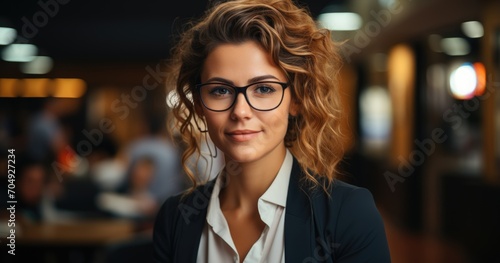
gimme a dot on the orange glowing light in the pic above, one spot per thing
(481, 78)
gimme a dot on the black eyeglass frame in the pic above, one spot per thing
(243, 90)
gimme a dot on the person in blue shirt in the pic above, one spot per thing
(260, 79)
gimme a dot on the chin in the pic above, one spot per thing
(242, 156)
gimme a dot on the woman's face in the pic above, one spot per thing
(241, 132)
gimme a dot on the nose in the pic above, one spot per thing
(241, 109)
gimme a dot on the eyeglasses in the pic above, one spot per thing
(261, 96)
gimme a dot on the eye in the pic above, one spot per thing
(220, 90)
(264, 88)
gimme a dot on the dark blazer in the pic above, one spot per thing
(345, 227)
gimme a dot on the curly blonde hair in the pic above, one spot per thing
(306, 54)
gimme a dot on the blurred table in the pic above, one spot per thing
(80, 232)
(83, 240)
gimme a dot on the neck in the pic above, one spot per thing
(245, 183)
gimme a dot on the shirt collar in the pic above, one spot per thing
(278, 190)
(215, 218)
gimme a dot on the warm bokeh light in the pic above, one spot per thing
(481, 78)
(35, 87)
(69, 88)
(401, 76)
(43, 87)
(8, 87)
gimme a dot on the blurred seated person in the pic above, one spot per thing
(107, 166)
(45, 134)
(167, 177)
(134, 198)
(31, 182)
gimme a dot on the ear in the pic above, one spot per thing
(294, 108)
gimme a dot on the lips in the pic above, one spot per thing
(242, 135)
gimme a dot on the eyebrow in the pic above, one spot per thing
(252, 80)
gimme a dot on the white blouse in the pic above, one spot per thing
(216, 244)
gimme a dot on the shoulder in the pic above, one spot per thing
(353, 204)
(351, 219)
(351, 196)
(345, 201)
(180, 215)
(187, 204)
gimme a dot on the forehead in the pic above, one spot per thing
(239, 62)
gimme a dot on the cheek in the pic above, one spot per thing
(212, 122)
(284, 115)
(279, 123)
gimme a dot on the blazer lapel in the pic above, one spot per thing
(299, 228)
(191, 228)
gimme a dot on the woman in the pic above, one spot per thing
(259, 78)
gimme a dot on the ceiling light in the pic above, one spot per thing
(19, 52)
(473, 29)
(455, 46)
(39, 65)
(340, 21)
(7, 35)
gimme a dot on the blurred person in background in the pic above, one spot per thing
(133, 198)
(107, 165)
(31, 184)
(167, 178)
(152, 173)
(141, 177)
(45, 135)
